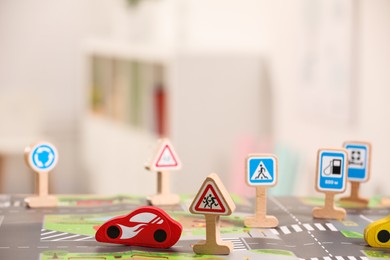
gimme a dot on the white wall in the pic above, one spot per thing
(373, 79)
(40, 55)
(40, 61)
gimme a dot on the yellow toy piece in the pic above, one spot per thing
(377, 234)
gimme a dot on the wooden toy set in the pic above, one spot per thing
(151, 226)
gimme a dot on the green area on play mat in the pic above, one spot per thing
(49, 255)
(351, 234)
(377, 254)
(87, 224)
(273, 252)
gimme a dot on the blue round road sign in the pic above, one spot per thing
(43, 157)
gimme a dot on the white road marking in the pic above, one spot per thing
(346, 243)
(290, 246)
(43, 238)
(296, 228)
(366, 219)
(48, 233)
(364, 257)
(319, 226)
(308, 227)
(331, 226)
(339, 258)
(352, 258)
(4, 247)
(285, 230)
(62, 238)
(23, 247)
(308, 244)
(42, 247)
(327, 258)
(274, 231)
(84, 238)
(314, 258)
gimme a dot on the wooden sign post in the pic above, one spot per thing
(261, 172)
(359, 169)
(213, 201)
(330, 179)
(164, 159)
(41, 158)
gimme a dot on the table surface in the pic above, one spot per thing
(67, 232)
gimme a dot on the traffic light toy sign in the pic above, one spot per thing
(359, 163)
(330, 179)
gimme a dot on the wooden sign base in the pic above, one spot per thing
(213, 245)
(41, 201)
(163, 199)
(329, 211)
(163, 196)
(354, 197)
(260, 219)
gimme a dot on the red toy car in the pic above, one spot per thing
(146, 226)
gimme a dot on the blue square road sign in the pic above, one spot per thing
(331, 170)
(261, 170)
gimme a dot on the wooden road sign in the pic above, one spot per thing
(163, 160)
(261, 172)
(331, 179)
(359, 169)
(213, 201)
(41, 158)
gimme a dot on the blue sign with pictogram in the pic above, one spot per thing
(43, 157)
(261, 170)
(358, 161)
(332, 168)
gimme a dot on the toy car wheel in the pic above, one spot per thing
(113, 232)
(383, 236)
(160, 235)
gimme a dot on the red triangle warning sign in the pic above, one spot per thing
(211, 201)
(212, 198)
(164, 158)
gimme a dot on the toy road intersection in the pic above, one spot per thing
(67, 232)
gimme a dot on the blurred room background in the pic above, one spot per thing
(103, 79)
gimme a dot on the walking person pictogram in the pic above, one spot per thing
(261, 174)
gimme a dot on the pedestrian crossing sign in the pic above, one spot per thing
(212, 198)
(261, 170)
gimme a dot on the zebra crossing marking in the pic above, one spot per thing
(308, 227)
(56, 235)
(53, 236)
(296, 228)
(331, 226)
(319, 226)
(63, 238)
(238, 244)
(285, 230)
